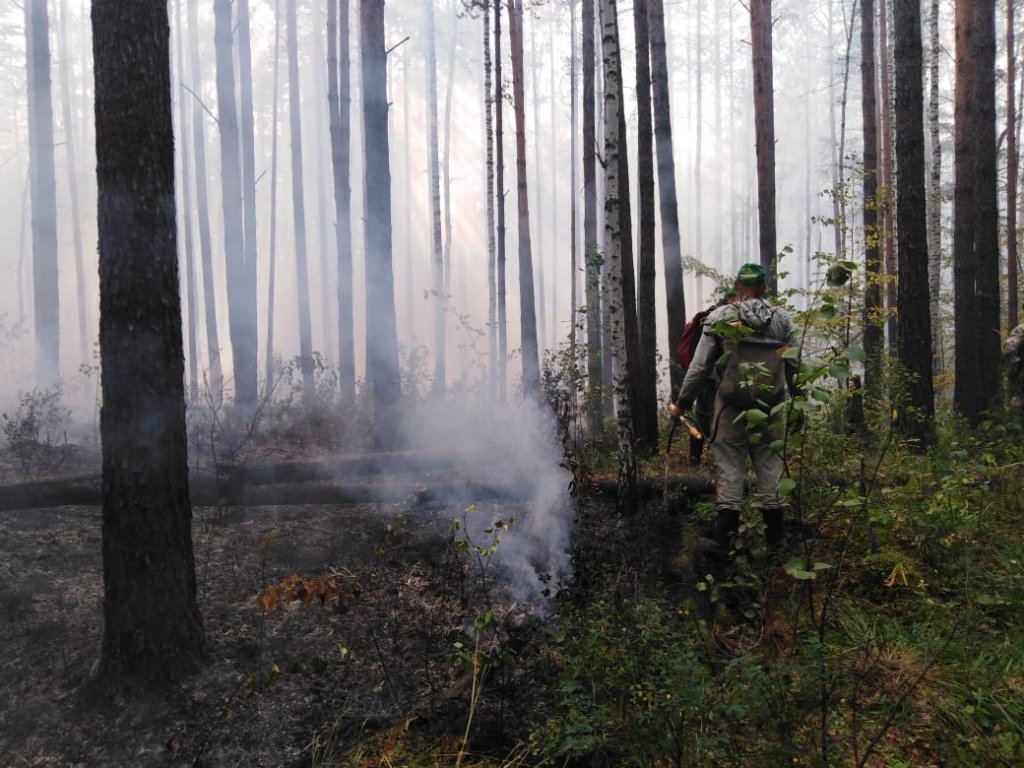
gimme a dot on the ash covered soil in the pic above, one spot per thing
(281, 688)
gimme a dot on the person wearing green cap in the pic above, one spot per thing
(747, 329)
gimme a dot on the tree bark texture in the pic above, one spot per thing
(492, 266)
(764, 128)
(43, 191)
(613, 251)
(914, 329)
(434, 186)
(340, 108)
(675, 300)
(591, 250)
(873, 312)
(647, 372)
(299, 203)
(272, 254)
(527, 306)
(975, 213)
(153, 633)
(240, 306)
(499, 144)
(886, 194)
(1012, 268)
(381, 333)
(216, 370)
(935, 193)
(246, 387)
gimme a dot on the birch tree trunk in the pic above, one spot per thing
(885, 196)
(1012, 301)
(592, 256)
(528, 316)
(434, 184)
(613, 245)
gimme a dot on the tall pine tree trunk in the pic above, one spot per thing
(43, 188)
(185, 158)
(499, 142)
(975, 212)
(246, 389)
(764, 124)
(915, 421)
(339, 105)
(672, 253)
(298, 204)
(872, 319)
(381, 333)
(492, 267)
(885, 197)
(72, 158)
(272, 255)
(935, 193)
(527, 310)
(153, 634)
(647, 371)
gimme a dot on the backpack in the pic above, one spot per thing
(689, 338)
(752, 372)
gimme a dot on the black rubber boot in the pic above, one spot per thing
(727, 522)
(774, 527)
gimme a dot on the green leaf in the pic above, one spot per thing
(855, 352)
(786, 485)
(795, 568)
(791, 353)
(826, 311)
(839, 371)
(755, 416)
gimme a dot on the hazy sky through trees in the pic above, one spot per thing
(728, 186)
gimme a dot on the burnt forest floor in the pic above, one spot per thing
(390, 651)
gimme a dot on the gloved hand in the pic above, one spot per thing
(676, 410)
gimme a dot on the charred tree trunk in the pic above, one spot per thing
(43, 188)
(873, 314)
(492, 266)
(975, 212)
(153, 634)
(339, 105)
(528, 315)
(915, 421)
(673, 261)
(764, 124)
(381, 333)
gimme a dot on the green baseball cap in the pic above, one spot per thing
(751, 274)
